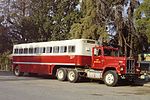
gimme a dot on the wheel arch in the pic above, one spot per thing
(14, 66)
(55, 67)
(109, 68)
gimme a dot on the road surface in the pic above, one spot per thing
(39, 88)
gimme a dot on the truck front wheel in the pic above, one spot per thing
(110, 78)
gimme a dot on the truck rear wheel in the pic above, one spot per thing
(110, 78)
(17, 71)
(73, 76)
(61, 74)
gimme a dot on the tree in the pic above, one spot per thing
(111, 12)
(15, 14)
(5, 42)
(53, 18)
(40, 20)
(65, 14)
(87, 26)
(37, 20)
(96, 15)
(142, 21)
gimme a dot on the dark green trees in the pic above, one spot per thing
(54, 18)
(88, 26)
(142, 19)
(44, 20)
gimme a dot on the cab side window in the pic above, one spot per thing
(97, 52)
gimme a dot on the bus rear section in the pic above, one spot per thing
(47, 57)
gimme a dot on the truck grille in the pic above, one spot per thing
(130, 66)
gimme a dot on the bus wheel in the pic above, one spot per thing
(17, 71)
(110, 78)
(73, 76)
(61, 74)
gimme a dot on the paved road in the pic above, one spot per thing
(38, 88)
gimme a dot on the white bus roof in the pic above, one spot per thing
(53, 43)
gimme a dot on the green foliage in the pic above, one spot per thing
(23, 21)
(5, 62)
(54, 18)
(40, 20)
(65, 14)
(142, 16)
(87, 27)
(44, 20)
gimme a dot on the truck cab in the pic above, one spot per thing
(104, 57)
(110, 66)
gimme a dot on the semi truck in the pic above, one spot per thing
(74, 59)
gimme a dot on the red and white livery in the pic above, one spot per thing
(72, 60)
(43, 56)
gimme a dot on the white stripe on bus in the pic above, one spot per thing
(38, 63)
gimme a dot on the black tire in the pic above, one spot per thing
(17, 71)
(61, 74)
(110, 78)
(73, 76)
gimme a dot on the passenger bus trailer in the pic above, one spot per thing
(73, 59)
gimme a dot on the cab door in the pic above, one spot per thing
(97, 58)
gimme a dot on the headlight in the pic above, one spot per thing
(121, 68)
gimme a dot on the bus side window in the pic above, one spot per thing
(16, 51)
(36, 50)
(25, 51)
(20, 51)
(30, 50)
(56, 49)
(63, 49)
(42, 49)
(49, 50)
(71, 49)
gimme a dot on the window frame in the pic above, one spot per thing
(25, 49)
(71, 49)
(36, 50)
(55, 49)
(49, 49)
(31, 49)
(20, 51)
(16, 51)
(63, 49)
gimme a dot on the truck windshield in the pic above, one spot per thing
(110, 52)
